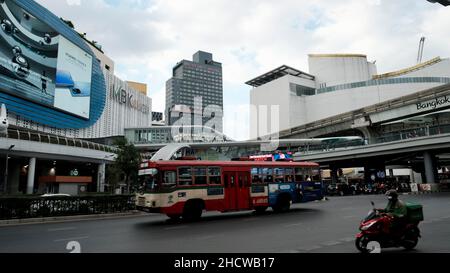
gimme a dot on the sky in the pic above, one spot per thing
(146, 38)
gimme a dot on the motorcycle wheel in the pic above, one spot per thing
(361, 244)
(410, 241)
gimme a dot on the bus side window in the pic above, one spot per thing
(267, 175)
(289, 175)
(315, 174)
(200, 177)
(299, 175)
(308, 174)
(185, 176)
(214, 176)
(170, 179)
(256, 175)
(279, 175)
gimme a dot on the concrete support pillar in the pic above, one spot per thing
(370, 135)
(430, 167)
(101, 177)
(391, 173)
(31, 174)
(14, 177)
(334, 175)
(412, 176)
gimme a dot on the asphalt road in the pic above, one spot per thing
(325, 226)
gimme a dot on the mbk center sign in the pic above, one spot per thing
(122, 96)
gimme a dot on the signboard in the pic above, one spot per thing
(425, 187)
(419, 107)
(274, 157)
(283, 157)
(40, 65)
(414, 187)
(74, 172)
(267, 157)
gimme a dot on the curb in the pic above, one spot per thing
(421, 192)
(58, 219)
(322, 200)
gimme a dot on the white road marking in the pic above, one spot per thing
(310, 248)
(205, 237)
(294, 225)
(331, 243)
(347, 239)
(71, 239)
(61, 229)
(350, 216)
(173, 228)
(291, 251)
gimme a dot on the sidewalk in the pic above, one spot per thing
(60, 219)
(423, 192)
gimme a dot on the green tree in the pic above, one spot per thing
(113, 176)
(127, 161)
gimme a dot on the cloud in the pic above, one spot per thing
(147, 38)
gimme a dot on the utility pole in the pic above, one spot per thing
(6, 167)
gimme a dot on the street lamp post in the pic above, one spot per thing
(102, 174)
(6, 167)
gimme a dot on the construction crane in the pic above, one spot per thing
(420, 53)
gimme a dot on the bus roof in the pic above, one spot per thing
(232, 163)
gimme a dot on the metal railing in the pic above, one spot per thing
(366, 111)
(32, 207)
(58, 140)
(389, 137)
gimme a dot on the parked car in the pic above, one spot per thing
(403, 187)
(340, 189)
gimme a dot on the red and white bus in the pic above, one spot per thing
(186, 188)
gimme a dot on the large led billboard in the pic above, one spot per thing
(40, 65)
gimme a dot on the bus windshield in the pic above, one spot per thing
(152, 180)
(148, 182)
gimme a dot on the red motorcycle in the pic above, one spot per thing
(376, 232)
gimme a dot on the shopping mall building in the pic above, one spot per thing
(64, 104)
(335, 84)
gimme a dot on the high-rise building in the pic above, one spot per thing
(195, 93)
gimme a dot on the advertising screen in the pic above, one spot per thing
(40, 65)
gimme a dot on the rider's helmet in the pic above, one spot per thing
(392, 195)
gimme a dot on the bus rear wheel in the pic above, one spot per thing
(283, 204)
(260, 210)
(192, 211)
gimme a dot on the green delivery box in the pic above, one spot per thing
(415, 212)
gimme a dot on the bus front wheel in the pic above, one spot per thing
(174, 216)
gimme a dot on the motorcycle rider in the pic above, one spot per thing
(396, 209)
